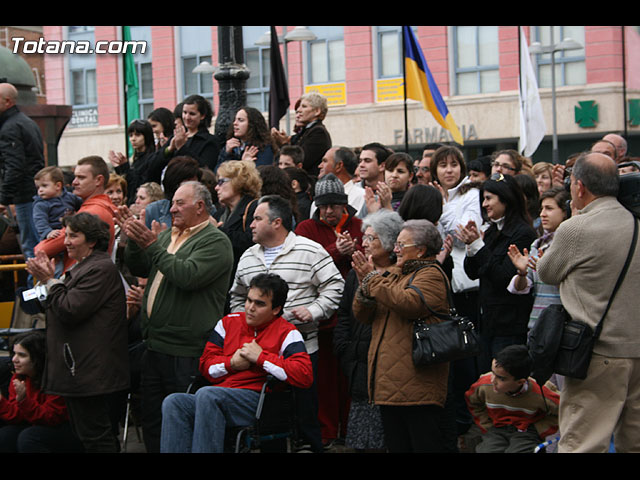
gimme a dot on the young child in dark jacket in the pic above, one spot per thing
(52, 202)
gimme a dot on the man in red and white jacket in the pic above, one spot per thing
(242, 350)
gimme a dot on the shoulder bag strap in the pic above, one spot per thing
(419, 292)
(621, 277)
(246, 213)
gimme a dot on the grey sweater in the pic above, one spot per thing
(585, 260)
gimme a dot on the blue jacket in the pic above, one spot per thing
(47, 214)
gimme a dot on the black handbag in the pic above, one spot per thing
(452, 339)
(574, 350)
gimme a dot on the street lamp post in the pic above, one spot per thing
(552, 49)
(298, 34)
(232, 75)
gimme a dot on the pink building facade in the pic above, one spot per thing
(357, 115)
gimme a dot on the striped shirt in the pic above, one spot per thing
(313, 278)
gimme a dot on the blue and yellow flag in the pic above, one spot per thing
(420, 86)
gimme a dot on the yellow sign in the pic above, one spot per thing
(335, 93)
(389, 90)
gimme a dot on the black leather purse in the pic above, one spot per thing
(452, 339)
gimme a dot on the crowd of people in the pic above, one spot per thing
(193, 269)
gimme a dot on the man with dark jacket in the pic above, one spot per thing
(21, 157)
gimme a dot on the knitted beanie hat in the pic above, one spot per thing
(330, 191)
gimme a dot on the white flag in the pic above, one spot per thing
(532, 127)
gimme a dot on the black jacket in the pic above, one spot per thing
(315, 141)
(202, 146)
(502, 313)
(136, 174)
(351, 340)
(21, 156)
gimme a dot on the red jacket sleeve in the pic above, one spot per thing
(293, 366)
(215, 366)
(37, 408)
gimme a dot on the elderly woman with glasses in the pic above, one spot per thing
(238, 189)
(410, 398)
(351, 338)
(503, 315)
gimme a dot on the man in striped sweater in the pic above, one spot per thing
(510, 408)
(315, 287)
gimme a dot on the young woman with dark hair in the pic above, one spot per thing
(503, 315)
(32, 421)
(249, 138)
(135, 170)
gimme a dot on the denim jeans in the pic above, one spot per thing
(28, 233)
(195, 423)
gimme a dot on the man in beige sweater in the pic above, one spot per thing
(585, 259)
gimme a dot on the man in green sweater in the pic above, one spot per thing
(585, 259)
(188, 269)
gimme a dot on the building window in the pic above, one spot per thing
(195, 47)
(570, 64)
(257, 58)
(326, 61)
(476, 57)
(82, 89)
(144, 70)
(389, 43)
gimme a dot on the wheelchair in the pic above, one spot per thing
(275, 426)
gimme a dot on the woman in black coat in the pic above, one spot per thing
(311, 134)
(136, 171)
(351, 338)
(192, 137)
(503, 316)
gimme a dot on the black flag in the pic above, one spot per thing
(278, 90)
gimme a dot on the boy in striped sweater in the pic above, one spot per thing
(511, 409)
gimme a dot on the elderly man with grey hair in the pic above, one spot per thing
(585, 259)
(619, 142)
(188, 269)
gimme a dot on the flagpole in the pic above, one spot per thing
(404, 90)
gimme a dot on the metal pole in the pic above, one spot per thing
(232, 75)
(286, 74)
(554, 150)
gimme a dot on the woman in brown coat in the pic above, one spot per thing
(87, 353)
(410, 398)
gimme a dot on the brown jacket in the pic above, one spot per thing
(386, 303)
(87, 351)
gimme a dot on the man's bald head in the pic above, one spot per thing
(8, 96)
(598, 173)
(619, 142)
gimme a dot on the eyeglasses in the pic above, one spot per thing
(369, 238)
(497, 177)
(503, 165)
(402, 246)
(222, 181)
